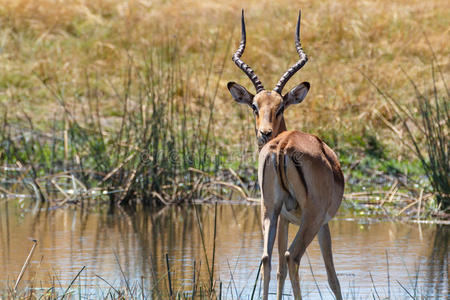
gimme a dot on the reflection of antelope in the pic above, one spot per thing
(300, 176)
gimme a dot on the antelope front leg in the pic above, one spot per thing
(327, 253)
(269, 220)
(282, 234)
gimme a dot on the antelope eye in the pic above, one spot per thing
(255, 109)
(279, 111)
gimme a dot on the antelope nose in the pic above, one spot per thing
(266, 132)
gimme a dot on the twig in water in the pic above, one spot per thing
(155, 281)
(373, 284)
(223, 183)
(110, 285)
(168, 274)
(233, 283)
(232, 186)
(420, 203)
(405, 290)
(314, 277)
(73, 280)
(123, 274)
(256, 280)
(239, 180)
(157, 195)
(25, 265)
(406, 207)
(111, 173)
(203, 243)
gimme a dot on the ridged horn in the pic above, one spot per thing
(243, 66)
(298, 65)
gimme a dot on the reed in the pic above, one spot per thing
(66, 292)
(433, 122)
(25, 265)
(137, 290)
(426, 132)
(146, 152)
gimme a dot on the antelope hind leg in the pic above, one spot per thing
(326, 249)
(306, 233)
(282, 233)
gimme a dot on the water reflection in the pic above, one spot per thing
(136, 241)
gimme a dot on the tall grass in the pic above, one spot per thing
(135, 289)
(426, 124)
(433, 123)
(147, 151)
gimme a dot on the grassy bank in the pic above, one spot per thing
(114, 100)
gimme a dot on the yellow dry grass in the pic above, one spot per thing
(60, 40)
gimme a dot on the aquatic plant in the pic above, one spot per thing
(157, 149)
(426, 124)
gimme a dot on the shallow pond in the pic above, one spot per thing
(372, 257)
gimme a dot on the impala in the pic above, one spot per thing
(300, 176)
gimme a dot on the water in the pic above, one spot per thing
(137, 241)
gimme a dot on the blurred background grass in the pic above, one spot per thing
(59, 40)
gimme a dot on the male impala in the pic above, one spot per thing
(300, 176)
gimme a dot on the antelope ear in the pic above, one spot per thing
(296, 95)
(240, 94)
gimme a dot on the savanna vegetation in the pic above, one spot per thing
(126, 101)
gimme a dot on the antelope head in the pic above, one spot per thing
(268, 106)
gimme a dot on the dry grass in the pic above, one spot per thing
(57, 40)
(63, 43)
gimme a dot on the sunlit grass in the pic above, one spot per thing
(59, 40)
(67, 44)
